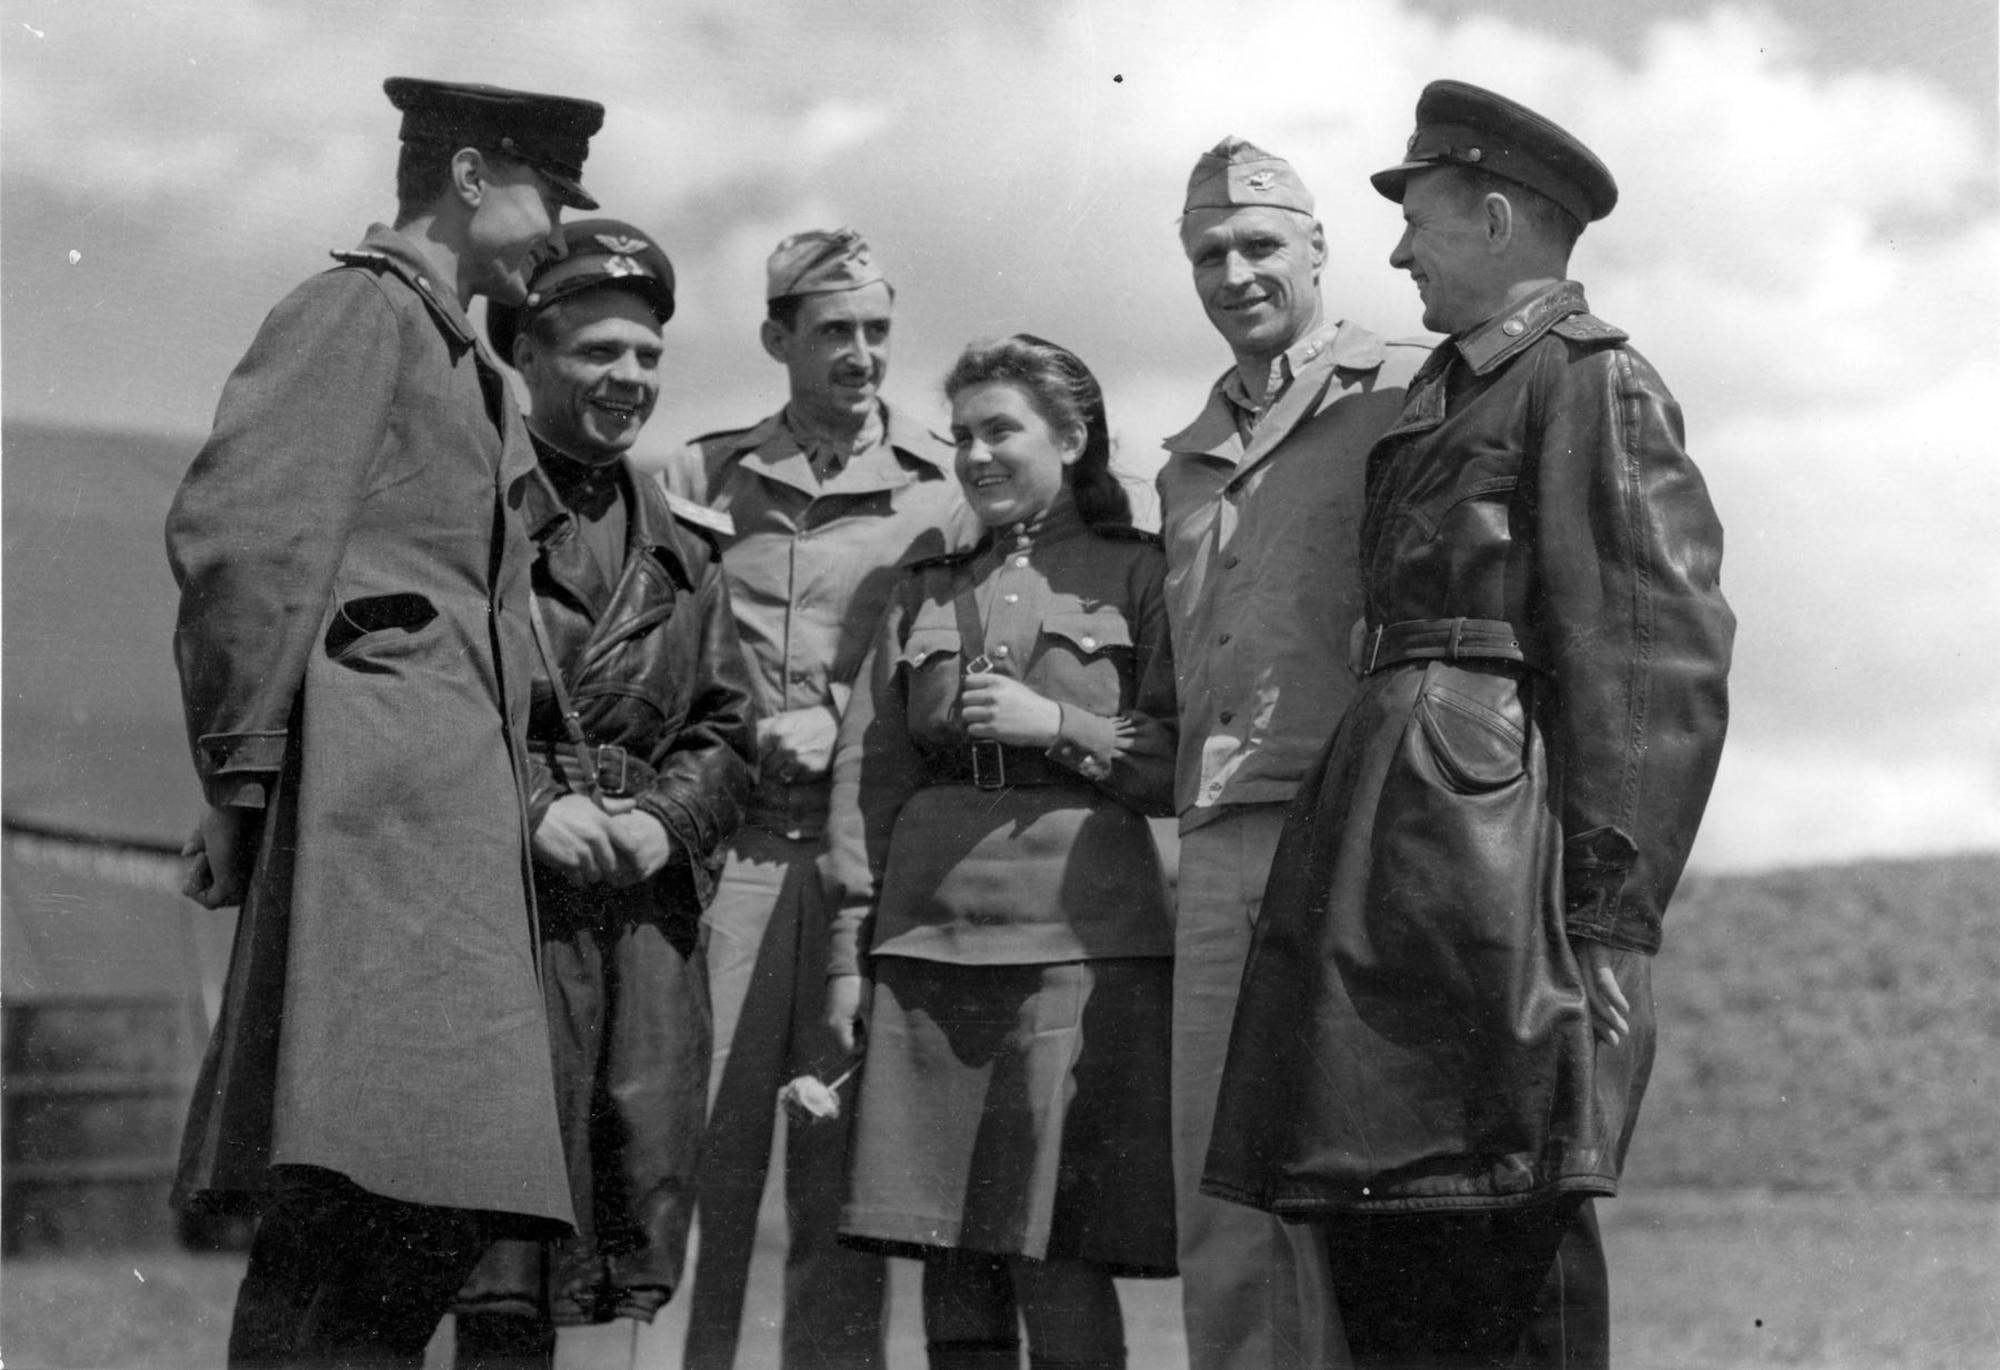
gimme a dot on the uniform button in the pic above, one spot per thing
(1513, 328)
(1229, 563)
(1224, 638)
(1011, 599)
(1001, 650)
(1227, 714)
(1020, 562)
(1089, 644)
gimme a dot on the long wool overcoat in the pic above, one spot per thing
(354, 646)
(1525, 765)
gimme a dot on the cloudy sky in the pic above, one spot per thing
(1808, 247)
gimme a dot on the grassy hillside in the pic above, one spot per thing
(1834, 1028)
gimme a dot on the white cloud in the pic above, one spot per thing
(1810, 256)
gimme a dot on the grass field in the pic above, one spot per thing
(1816, 1180)
(1702, 1281)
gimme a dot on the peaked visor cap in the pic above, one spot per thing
(550, 133)
(1462, 125)
(601, 254)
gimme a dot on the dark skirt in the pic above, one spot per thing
(1017, 1110)
(627, 994)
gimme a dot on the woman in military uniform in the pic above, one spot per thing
(993, 879)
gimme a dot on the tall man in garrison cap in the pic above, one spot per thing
(828, 497)
(1447, 1019)
(355, 655)
(1261, 497)
(640, 742)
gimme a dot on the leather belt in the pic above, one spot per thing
(1441, 639)
(994, 766)
(619, 774)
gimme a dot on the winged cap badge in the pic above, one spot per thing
(1259, 180)
(620, 245)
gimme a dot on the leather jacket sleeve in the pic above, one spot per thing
(1636, 632)
(704, 778)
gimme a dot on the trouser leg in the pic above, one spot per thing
(971, 1321)
(1072, 1315)
(751, 954)
(1570, 1327)
(341, 1277)
(834, 1295)
(1254, 1291)
(1443, 1291)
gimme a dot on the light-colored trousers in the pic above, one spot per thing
(767, 944)
(1256, 1293)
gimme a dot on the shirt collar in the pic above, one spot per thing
(1285, 368)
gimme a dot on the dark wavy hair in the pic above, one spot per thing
(1067, 396)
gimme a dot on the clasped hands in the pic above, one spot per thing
(999, 708)
(608, 842)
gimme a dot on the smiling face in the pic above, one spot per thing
(1449, 252)
(512, 228)
(1256, 269)
(836, 353)
(1010, 459)
(592, 366)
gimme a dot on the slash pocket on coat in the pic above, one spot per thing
(357, 619)
(1477, 746)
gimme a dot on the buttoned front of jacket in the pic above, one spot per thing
(811, 563)
(1047, 871)
(1262, 584)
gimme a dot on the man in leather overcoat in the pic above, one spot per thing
(640, 746)
(1446, 1023)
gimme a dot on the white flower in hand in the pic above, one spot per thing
(809, 1098)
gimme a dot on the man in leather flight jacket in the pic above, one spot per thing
(1446, 1023)
(640, 742)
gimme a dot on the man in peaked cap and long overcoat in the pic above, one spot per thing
(354, 654)
(1447, 1019)
(827, 497)
(1261, 497)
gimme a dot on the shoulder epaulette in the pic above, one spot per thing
(378, 261)
(925, 563)
(1125, 532)
(700, 516)
(1588, 328)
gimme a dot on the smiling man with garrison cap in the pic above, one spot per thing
(1261, 497)
(355, 657)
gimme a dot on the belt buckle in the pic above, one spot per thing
(989, 766)
(614, 772)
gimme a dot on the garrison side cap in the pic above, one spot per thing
(1459, 124)
(819, 262)
(551, 133)
(1236, 172)
(602, 253)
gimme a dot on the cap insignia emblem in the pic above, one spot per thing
(623, 246)
(622, 266)
(1259, 180)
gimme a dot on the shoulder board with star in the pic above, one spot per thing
(1588, 328)
(1125, 532)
